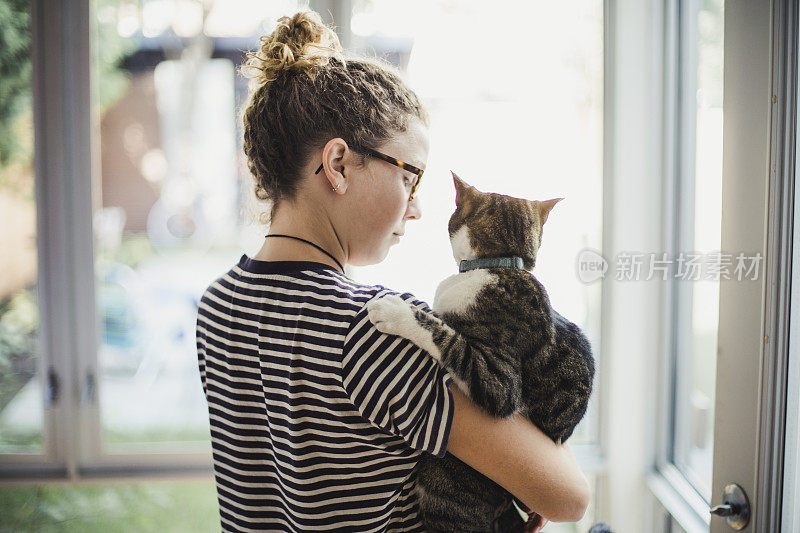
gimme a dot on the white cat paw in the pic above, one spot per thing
(392, 315)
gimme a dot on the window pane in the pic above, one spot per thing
(501, 132)
(694, 438)
(21, 399)
(172, 199)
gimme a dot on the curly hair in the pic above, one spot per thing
(304, 91)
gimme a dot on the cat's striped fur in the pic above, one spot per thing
(495, 330)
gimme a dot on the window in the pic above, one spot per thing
(694, 170)
(173, 205)
(527, 124)
(701, 191)
(169, 201)
(21, 367)
(167, 186)
(494, 123)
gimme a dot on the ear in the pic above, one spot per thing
(464, 191)
(545, 207)
(333, 157)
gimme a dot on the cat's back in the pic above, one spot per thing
(458, 293)
(489, 294)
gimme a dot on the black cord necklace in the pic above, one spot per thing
(312, 244)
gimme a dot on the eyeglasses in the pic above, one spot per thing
(398, 163)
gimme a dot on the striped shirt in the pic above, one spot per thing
(317, 418)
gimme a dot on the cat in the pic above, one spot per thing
(506, 348)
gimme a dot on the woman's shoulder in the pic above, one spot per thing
(363, 291)
(314, 283)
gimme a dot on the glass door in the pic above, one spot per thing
(757, 208)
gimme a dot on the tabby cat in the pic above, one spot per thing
(493, 328)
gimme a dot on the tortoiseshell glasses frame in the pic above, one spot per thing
(397, 163)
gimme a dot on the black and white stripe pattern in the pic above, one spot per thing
(317, 418)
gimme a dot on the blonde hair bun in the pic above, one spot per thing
(300, 42)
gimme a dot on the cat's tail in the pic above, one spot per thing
(600, 527)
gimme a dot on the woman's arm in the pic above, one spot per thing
(521, 458)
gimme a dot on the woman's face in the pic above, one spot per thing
(378, 206)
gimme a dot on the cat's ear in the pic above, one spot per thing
(464, 190)
(545, 207)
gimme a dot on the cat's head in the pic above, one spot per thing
(494, 225)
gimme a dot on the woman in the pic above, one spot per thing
(318, 419)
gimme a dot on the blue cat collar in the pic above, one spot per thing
(491, 262)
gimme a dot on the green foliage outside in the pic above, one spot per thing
(158, 506)
(109, 82)
(19, 318)
(108, 50)
(15, 74)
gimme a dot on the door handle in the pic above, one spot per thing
(735, 506)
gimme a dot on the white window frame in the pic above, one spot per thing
(632, 315)
(667, 482)
(65, 154)
(646, 492)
